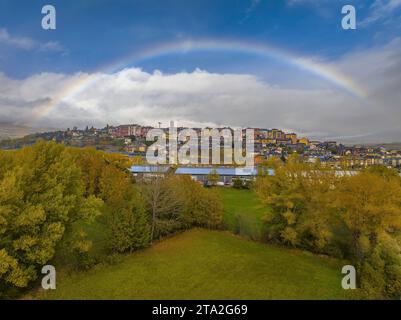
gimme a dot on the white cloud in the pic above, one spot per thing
(19, 42)
(379, 10)
(51, 46)
(204, 98)
(26, 43)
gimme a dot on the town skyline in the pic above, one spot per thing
(136, 141)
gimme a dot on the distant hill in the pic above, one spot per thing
(392, 145)
(387, 145)
(12, 131)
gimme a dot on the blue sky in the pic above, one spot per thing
(87, 71)
(92, 33)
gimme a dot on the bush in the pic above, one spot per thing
(238, 183)
(248, 184)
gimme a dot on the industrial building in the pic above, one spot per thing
(225, 174)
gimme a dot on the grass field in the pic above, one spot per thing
(243, 212)
(202, 264)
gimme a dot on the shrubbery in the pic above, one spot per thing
(239, 183)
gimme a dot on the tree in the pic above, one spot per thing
(164, 204)
(213, 177)
(283, 192)
(299, 195)
(126, 220)
(41, 198)
(370, 204)
(177, 202)
(92, 163)
(202, 207)
(355, 217)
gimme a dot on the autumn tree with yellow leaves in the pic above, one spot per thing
(41, 197)
(370, 206)
(357, 217)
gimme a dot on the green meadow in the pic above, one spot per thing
(203, 264)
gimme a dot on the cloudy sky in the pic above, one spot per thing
(260, 63)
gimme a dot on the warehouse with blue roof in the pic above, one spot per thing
(226, 174)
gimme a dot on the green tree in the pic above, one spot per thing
(126, 220)
(202, 207)
(41, 198)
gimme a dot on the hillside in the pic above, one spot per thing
(202, 264)
(11, 131)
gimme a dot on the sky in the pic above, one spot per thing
(261, 63)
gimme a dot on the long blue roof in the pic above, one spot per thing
(149, 169)
(205, 171)
(222, 171)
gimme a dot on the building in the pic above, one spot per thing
(275, 134)
(304, 141)
(143, 172)
(292, 136)
(200, 174)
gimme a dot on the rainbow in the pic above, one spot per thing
(322, 70)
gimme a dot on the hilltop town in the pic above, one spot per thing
(130, 140)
